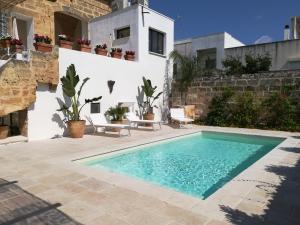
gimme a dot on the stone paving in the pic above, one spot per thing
(266, 193)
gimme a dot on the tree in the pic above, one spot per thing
(187, 69)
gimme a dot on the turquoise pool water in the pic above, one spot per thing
(197, 164)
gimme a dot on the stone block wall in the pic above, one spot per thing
(19, 80)
(201, 90)
(42, 12)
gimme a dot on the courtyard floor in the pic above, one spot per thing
(42, 183)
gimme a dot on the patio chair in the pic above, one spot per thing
(177, 114)
(99, 120)
(134, 119)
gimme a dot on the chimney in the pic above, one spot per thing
(287, 32)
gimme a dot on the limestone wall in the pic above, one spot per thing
(203, 89)
(42, 12)
(19, 80)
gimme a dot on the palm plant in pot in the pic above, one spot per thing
(76, 125)
(151, 97)
(116, 115)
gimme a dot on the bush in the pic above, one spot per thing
(220, 110)
(233, 66)
(245, 110)
(278, 112)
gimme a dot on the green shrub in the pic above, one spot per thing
(220, 110)
(253, 64)
(233, 66)
(278, 112)
(245, 110)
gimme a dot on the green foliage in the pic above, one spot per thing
(219, 109)
(151, 97)
(234, 66)
(187, 69)
(278, 111)
(69, 84)
(244, 111)
(116, 113)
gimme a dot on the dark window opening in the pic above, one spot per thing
(95, 108)
(156, 42)
(124, 32)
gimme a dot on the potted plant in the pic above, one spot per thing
(116, 115)
(42, 43)
(65, 41)
(75, 124)
(4, 129)
(101, 49)
(5, 41)
(116, 53)
(84, 45)
(149, 92)
(129, 55)
(17, 45)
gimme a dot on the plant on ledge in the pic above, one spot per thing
(129, 55)
(5, 41)
(84, 45)
(116, 53)
(151, 97)
(76, 125)
(42, 43)
(101, 50)
(65, 41)
(17, 45)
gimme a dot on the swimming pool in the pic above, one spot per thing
(197, 164)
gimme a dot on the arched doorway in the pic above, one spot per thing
(70, 26)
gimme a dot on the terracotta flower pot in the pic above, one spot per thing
(130, 57)
(85, 48)
(148, 116)
(101, 51)
(66, 44)
(76, 128)
(43, 47)
(116, 122)
(4, 130)
(116, 55)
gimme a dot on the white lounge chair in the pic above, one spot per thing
(99, 120)
(177, 114)
(134, 119)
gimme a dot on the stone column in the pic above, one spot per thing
(23, 122)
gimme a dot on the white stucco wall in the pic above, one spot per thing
(285, 54)
(102, 29)
(127, 75)
(220, 41)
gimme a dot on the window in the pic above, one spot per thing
(124, 32)
(95, 107)
(207, 58)
(156, 42)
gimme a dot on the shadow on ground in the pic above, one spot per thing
(18, 207)
(283, 208)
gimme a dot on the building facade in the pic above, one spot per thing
(30, 90)
(209, 49)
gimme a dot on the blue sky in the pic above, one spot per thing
(245, 20)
